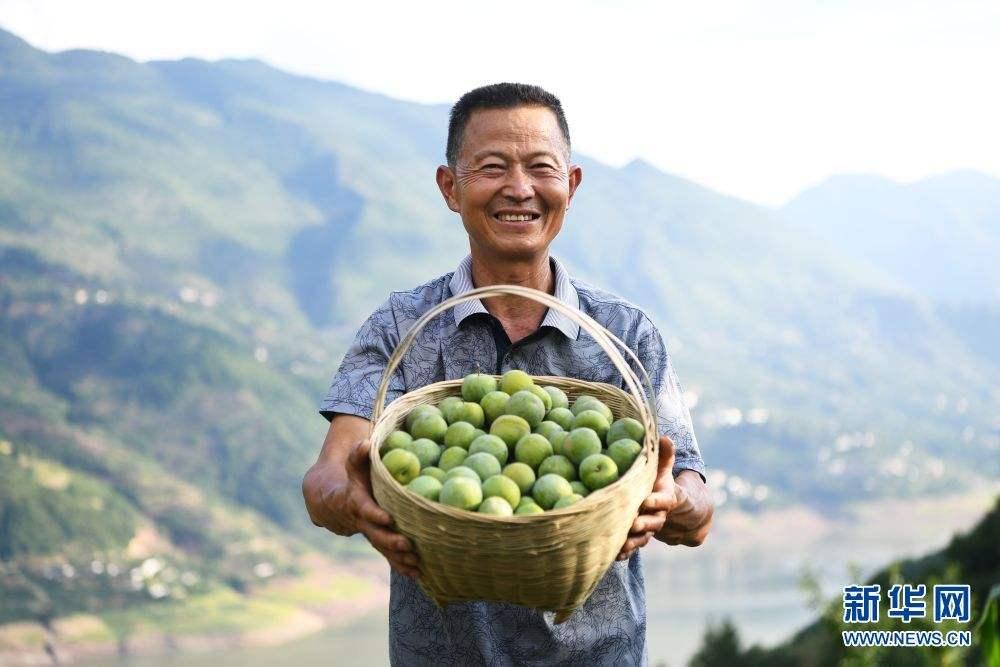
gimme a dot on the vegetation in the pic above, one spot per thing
(971, 559)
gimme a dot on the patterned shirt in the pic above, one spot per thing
(610, 628)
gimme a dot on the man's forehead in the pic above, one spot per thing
(535, 125)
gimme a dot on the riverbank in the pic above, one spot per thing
(327, 595)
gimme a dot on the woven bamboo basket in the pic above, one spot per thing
(551, 561)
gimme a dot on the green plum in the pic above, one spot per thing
(561, 416)
(452, 458)
(558, 465)
(592, 419)
(463, 471)
(558, 397)
(430, 426)
(477, 385)
(626, 427)
(526, 405)
(494, 404)
(549, 489)
(566, 501)
(485, 465)
(532, 449)
(448, 407)
(396, 440)
(404, 466)
(581, 443)
(433, 471)
(461, 492)
(418, 412)
(588, 402)
(425, 486)
(530, 507)
(510, 429)
(522, 474)
(624, 452)
(496, 506)
(597, 471)
(472, 413)
(542, 395)
(459, 434)
(548, 429)
(427, 451)
(514, 381)
(503, 486)
(490, 444)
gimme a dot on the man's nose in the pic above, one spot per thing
(519, 185)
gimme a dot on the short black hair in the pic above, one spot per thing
(499, 96)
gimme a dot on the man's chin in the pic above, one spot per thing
(516, 252)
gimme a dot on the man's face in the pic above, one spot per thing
(511, 183)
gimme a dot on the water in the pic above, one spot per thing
(357, 644)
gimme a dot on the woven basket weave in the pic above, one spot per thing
(550, 561)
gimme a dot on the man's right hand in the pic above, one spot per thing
(338, 495)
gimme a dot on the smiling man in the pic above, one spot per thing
(510, 179)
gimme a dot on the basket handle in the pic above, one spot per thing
(605, 339)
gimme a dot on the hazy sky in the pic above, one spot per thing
(756, 99)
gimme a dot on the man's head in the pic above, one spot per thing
(508, 173)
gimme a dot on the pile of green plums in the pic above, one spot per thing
(511, 447)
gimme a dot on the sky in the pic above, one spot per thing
(754, 99)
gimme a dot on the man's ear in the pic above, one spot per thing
(575, 178)
(446, 184)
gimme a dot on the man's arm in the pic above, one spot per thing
(338, 495)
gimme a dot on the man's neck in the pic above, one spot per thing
(520, 317)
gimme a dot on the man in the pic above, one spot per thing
(510, 179)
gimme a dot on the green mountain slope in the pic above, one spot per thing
(187, 247)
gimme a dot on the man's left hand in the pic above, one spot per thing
(677, 511)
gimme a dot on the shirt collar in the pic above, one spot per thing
(461, 282)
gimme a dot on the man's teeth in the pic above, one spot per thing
(509, 217)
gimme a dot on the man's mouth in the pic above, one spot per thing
(517, 217)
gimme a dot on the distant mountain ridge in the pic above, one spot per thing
(940, 236)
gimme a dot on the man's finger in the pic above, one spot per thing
(659, 501)
(369, 511)
(386, 539)
(633, 543)
(645, 523)
(404, 564)
(358, 457)
(666, 461)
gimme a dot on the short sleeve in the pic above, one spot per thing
(356, 382)
(673, 416)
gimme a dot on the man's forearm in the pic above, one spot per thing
(690, 521)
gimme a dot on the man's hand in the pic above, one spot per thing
(338, 495)
(677, 511)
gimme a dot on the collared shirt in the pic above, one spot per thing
(610, 627)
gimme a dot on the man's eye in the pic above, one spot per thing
(542, 165)
(492, 167)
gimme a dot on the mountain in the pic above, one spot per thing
(939, 236)
(187, 247)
